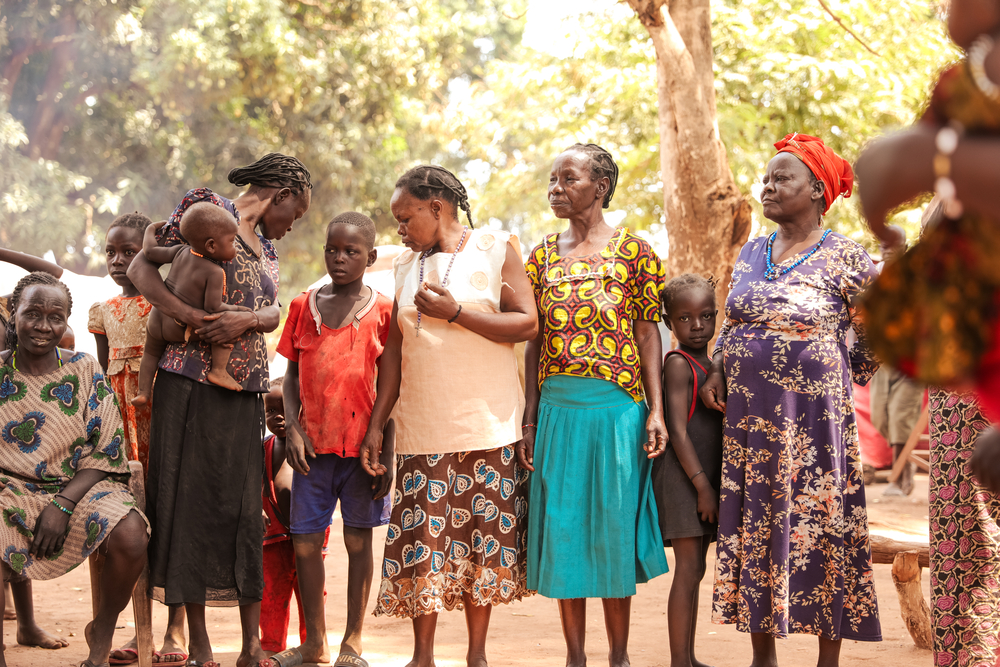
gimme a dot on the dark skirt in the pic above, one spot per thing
(203, 494)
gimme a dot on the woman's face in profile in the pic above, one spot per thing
(417, 221)
(572, 189)
(284, 210)
(788, 190)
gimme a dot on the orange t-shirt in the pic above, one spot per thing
(337, 370)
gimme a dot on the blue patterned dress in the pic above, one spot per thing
(793, 552)
(53, 426)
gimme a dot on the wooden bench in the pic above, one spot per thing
(908, 560)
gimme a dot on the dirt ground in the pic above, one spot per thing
(523, 634)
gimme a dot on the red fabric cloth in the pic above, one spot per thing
(875, 450)
(337, 369)
(825, 165)
(280, 580)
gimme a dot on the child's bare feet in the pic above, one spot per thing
(223, 379)
(35, 636)
(140, 401)
(258, 659)
(315, 653)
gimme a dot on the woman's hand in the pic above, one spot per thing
(50, 532)
(656, 435)
(708, 505)
(225, 327)
(371, 449)
(713, 392)
(985, 461)
(435, 301)
(525, 449)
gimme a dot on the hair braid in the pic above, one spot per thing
(428, 181)
(602, 165)
(35, 278)
(274, 170)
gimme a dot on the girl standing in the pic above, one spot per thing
(686, 478)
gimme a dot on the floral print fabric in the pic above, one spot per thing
(793, 553)
(53, 426)
(457, 528)
(251, 281)
(123, 321)
(965, 539)
(588, 305)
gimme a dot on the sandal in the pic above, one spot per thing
(287, 658)
(172, 658)
(350, 660)
(124, 661)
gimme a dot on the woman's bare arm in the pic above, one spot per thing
(30, 263)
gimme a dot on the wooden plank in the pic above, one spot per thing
(884, 550)
(911, 444)
(913, 607)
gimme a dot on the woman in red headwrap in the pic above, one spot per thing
(793, 552)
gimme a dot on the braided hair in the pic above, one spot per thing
(683, 283)
(274, 170)
(602, 165)
(36, 278)
(137, 221)
(429, 181)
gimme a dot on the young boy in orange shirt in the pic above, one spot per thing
(333, 338)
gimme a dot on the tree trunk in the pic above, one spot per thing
(45, 134)
(707, 218)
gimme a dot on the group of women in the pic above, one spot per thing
(500, 490)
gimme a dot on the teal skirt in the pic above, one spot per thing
(592, 523)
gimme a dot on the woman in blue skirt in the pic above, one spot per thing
(588, 434)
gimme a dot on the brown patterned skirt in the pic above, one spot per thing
(457, 528)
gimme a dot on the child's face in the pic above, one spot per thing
(968, 19)
(221, 248)
(692, 317)
(120, 248)
(347, 254)
(274, 412)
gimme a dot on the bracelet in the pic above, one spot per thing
(977, 67)
(524, 426)
(700, 472)
(946, 142)
(59, 495)
(456, 314)
(56, 503)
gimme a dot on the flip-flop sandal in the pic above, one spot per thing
(350, 660)
(124, 661)
(287, 658)
(176, 658)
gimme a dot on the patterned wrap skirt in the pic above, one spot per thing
(593, 530)
(457, 528)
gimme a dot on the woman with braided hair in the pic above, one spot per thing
(594, 414)
(205, 461)
(63, 467)
(456, 533)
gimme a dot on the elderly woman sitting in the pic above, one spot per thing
(63, 469)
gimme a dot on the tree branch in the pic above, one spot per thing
(849, 31)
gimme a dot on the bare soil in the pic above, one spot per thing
(523, 634)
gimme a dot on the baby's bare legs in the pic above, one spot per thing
(159, 331)
(218, 374)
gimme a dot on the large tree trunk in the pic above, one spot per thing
(707, 218)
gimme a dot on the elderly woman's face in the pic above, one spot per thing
(41, 319)
(572, 189)
(788, 192)
(418, 221)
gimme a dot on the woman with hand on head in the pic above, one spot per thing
(793, 552)
(594, 412)
(64, 482)
(456, 534)
(206, 460)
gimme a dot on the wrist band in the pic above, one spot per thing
(56, 503)
(524, 426)
(59, 495)
(946, 142)
(700, 472)
(456, 314)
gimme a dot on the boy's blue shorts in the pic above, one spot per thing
(332, 478)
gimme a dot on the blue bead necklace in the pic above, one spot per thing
(773, 272)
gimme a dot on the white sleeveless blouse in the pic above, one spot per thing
(459, 392)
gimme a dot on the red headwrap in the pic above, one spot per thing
(825, 165)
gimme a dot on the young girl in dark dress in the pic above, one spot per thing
(686, 478)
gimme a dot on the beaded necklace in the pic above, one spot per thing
(13, 358)
(605, 269)
(772, 271)
(444, 281)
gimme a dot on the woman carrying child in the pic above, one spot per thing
(206, 460)
(456, 534)
(594, 414)
(687, 478)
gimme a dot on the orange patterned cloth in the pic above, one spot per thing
(123, 321)
(827, 166)
(588, 305)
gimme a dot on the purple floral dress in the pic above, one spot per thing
(793, 552)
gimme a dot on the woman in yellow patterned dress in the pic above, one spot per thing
(594, 412)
